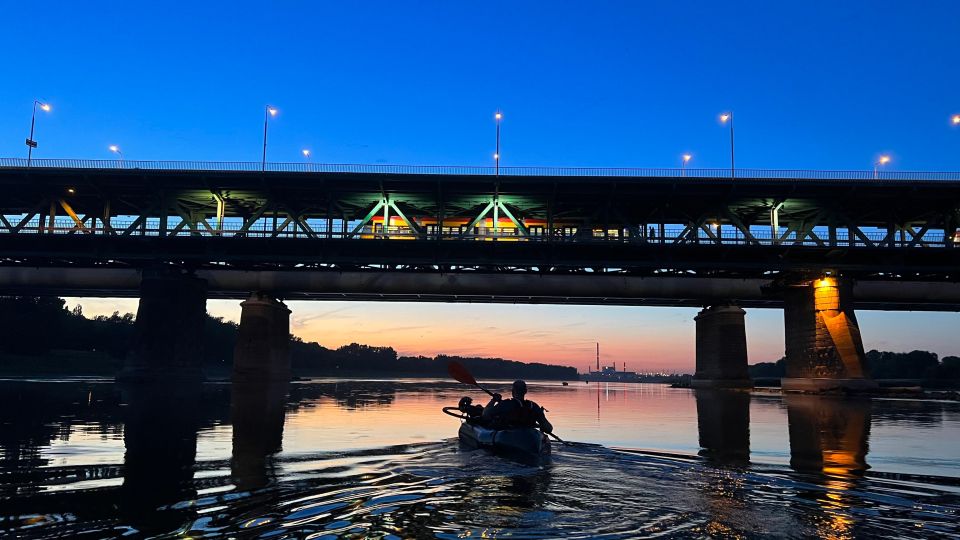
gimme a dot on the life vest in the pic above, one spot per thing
(526, 415)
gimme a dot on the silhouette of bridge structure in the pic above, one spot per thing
(186, 231)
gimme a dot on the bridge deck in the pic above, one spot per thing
(587, 221)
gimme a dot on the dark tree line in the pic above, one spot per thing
(885, 365)
(39, 334)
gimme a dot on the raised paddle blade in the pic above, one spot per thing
(460, 373)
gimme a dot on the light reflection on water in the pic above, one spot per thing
(376, 458)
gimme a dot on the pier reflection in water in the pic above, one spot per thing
(338, 458)
(723, 424)
(257, 413)
(829, 439)
(160, 437)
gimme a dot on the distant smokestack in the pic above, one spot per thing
(598, 356)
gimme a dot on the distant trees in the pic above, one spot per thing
(769, 370)
(884, 365)
(33, 327)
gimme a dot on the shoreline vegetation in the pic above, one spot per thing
(40, 336)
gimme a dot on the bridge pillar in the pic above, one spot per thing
(168, 331)
(262, 352)
(721, 348)
(823, 344)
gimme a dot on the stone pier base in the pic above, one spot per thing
(262, 352)
(168, 331)
(721, 348)
(823, 344)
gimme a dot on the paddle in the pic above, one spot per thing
(460, 373)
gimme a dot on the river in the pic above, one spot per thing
(333, 458)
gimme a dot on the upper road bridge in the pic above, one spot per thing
(566, 235)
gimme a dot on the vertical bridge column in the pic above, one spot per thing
(262, 352)
(721, 348)
(823, 344)
(168, 331)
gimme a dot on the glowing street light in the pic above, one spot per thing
(306, 153)
(724, 118)
(31, 144)
(116, 150)
(955, 119)
(496, 156)
(880, 162)
(683, 164)
(268, 111)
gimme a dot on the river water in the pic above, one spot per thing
(360, 459)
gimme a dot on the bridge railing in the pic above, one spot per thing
(727, 236)
(246, 166)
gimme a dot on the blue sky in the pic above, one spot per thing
(824, 85)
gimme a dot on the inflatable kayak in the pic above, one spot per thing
(524, 441)
(518, 442)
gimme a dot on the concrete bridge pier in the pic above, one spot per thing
(721, 348)
(823, 343)
(262, 352)
(168, 331)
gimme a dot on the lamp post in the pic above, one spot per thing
(31, 144)
(116, 150)
(724, 118)
(268, 111)
(879, 163)
(683, 164)
(955, 119)
(496, 156)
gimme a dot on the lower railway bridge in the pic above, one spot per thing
(818, 245)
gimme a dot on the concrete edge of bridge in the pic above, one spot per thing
(819, 385)
(733, 384)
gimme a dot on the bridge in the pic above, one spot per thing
(814, 243)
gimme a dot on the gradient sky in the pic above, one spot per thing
(823, 85)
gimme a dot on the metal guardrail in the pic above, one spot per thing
(671, 235)
(246, 166)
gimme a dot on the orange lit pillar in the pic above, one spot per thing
(823, 345)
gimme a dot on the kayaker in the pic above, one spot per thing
(516, 411)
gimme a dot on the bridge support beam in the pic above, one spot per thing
(168, 331)
(262, 352)
(823, 344)
(721, 348)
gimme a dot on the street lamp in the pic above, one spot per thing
(306, 153)
(31, 144)
(955, 119)
(880, 162)
(268, 111)
(724, 118)
(683, 164)
(496, 156)
(116, 150)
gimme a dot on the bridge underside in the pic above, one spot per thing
(480, 287)
(816, 245)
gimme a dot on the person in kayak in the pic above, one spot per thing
(516, 411)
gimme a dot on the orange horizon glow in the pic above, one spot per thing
(649, 339)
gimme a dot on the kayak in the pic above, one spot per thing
(521, 441)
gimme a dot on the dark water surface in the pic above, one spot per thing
(358, 459)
